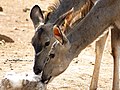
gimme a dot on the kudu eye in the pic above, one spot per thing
(47, 43)
(52, 55)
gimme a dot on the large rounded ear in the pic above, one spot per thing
(36, 16)
(58, 34)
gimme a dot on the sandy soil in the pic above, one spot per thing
(18, 56)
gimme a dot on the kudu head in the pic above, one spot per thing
(58, 59)
(43, 37)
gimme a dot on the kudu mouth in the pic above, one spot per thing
(45, 80)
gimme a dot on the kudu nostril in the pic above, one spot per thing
(52, 55)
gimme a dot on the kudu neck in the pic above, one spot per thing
(91, 27)
(66, 5)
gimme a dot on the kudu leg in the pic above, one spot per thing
(115, 44)
(99, 48)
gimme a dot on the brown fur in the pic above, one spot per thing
(103, 14)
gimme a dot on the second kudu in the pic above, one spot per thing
(43, 25)
(103, 14)
(42, 39)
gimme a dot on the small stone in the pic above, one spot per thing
(4, 62)
(16, 21)
(26, 9)
(12, 69)
(76, 61)
(0, 68)
(15, 52)
(1, 9)
(27, 19)
(64, 79)
(2, 52)
(2, 55)
(16, 28)
(92, 63)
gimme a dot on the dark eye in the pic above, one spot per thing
(52, 55)
(47, 43)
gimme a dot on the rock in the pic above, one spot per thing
(13, 81)
(92, 63)
(26, 9)
(16, 28)
(1, 9)
(5, 38)
(27, 19)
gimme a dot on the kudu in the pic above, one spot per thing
(43, 37)
(103, 14)
(41, 25)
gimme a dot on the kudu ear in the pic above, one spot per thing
(57, 34)
(36, 15)
(60, 36)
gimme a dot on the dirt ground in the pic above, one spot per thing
(18, 56)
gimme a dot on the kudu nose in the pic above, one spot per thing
(37, 70)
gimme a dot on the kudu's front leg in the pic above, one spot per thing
(115, 44)
(99, 48)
